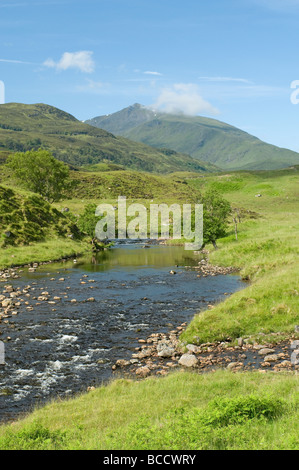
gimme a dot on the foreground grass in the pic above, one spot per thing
(181, 411)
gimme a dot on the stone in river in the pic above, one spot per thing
(188, 360)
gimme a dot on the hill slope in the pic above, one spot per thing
(202, 138)
(25, 127)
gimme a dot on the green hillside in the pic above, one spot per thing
(26, 127)
(28, 218)
(202, 138)
(224, 409)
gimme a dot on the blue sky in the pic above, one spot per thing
(232, 60)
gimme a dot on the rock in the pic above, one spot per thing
(172, 272)
(6, 303)
(192, 348)
(265, 351)
(297, 329)
(240, 342)
(285, 364)
(167, 351)
(144, 354)
(91, 299)
(143, 371)
(271, 358)
(235, 365)
(188, 360)
(122, 363)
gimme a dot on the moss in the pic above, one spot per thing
(24, 220)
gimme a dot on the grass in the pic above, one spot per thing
(220, 410)
(48, 250)
(181, 411)
(203, 138)
(29, 127)
(267, 253)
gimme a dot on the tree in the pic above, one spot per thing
(87, 220)
(87, 224)
(215, 217)
(41, 173)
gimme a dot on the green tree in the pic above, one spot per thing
(41, 173)
(215, 217)
(87, 224)
(88, 220)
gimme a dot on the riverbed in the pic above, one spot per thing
(77, 318)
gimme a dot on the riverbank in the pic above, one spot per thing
(50, 251)
(191, 410)
(182, 411)
(161, 353)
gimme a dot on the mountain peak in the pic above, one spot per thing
(202, 138)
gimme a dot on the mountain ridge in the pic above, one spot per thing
(31, 126)
(203, 138)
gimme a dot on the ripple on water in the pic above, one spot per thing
(64, 351)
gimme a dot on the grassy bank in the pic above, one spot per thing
(49, 250)
(267, 252)
(181, 411)
(220, 410)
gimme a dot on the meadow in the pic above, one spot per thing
(188, 410)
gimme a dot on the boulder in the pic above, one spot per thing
(271, 358)
(265, 351)
(188, 360)
(143, 371)
(192, 348)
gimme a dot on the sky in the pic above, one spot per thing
(236, 61)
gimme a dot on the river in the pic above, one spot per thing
(65, 343)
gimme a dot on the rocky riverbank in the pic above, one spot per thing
(161, 353)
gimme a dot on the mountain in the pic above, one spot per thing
(25, 127)
(204, 139)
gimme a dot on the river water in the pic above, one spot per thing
(60, 348)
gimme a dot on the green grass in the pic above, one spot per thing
(181, 411)
(267, 253)
(29, 127)
(219, 410)
(53, 249)
(203, 138)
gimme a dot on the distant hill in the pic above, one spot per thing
(204, 139)
(25, 127)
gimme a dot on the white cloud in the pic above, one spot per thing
(81, 60)
(11, 61)
(183, 98)
(225, 79)
(152, 73)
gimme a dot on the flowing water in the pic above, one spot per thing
(62, 347)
